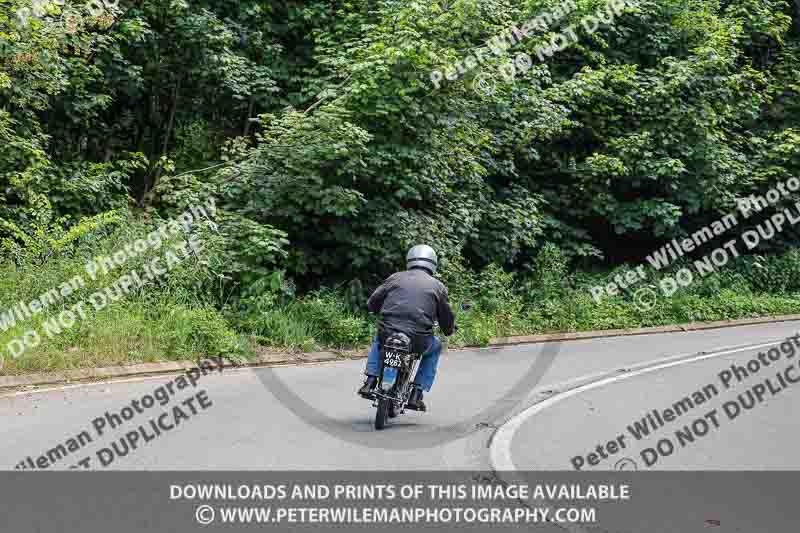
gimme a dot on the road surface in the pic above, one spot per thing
(563, 400)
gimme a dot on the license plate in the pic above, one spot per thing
(393, 359)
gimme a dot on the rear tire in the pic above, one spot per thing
(381, 413)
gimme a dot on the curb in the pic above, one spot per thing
(282, 359)
(693, 326)
(83, 375)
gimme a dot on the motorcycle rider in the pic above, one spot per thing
(410, 302)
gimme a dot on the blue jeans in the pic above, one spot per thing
(427, 367)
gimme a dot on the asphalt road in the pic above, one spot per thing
(308, 418)
(734, 411)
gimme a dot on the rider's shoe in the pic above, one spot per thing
(367, 388)
(415, 402)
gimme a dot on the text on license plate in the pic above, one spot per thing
(393, 359)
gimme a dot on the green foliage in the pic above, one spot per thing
(319, 319)
(329, 150)
(772, 274)
(317, 123)
(548, 276)
(34, 243)
(136, 331)
(187, 332)
(167, 318)
(461, 281)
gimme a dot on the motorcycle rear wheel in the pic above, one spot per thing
(381, 413)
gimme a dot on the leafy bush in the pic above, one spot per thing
(548, 276)
(772, 274)
(319, 319)
(187, 332)
(43, 237)
(169, 317)
(461, 282)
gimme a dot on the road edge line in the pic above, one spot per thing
(500, 443)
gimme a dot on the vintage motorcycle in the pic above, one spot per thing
(399, 365)
(398, 369)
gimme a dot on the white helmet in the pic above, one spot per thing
(422, 256)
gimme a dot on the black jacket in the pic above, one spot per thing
(411, 301)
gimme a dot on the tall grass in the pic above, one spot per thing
(174, 319)
(167, 319)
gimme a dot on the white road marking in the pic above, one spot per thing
(500, 448)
